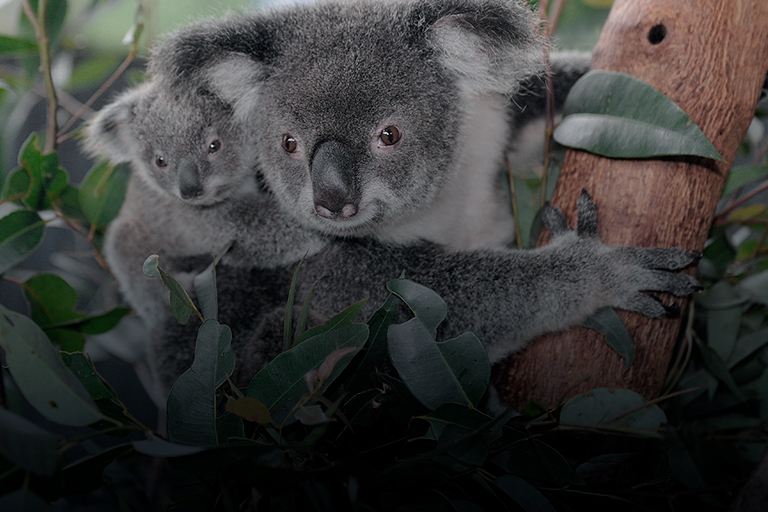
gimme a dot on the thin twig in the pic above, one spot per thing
(63, 134)
(88, 236)
(44, 47)
(720, 218)
(513, 198)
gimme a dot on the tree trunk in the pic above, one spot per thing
(710, 57)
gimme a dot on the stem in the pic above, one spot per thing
(44, 47)
(720, 218)
(513, 198)
(88, 236)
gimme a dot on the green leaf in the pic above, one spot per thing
(27, 445)
(524, 494)
(13, 45)
(723, 330)
(102, 323)
(338, 321)
(51, 300)
(757, 286)
(747, 213)
(607, 322)
(375, 354)
(747, 345)
(93, 71)
(157, 447)
(182, 306)
(717, 367)
(82, 367)
(205, 288)
(281, 383)
(426, 305)
(150, 266)
(192, 400)
(102, 193)
(20, 234)
(723, 295)
(40, 179)
(740, 176)
(535, 460)
(250, 409)
(617, 115)
(40, 374)
(24, 500)
(604, 407)
(457, 370)
(287, 339)
(229, 426)
(454, 414)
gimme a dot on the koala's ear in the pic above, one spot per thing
(193, 54)
(110, 134)
(491, 45)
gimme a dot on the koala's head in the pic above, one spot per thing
(356, 108)
(186, 145)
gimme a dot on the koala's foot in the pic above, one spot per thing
(626, 272)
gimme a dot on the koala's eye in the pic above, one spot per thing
(390, 135)
(289, 143)
(214, 146)
(160, 162)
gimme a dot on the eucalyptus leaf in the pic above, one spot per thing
(717, 367)
(20, 234)
(757, 286)
(524, 494)
(375, 354)
(45, 180)
(40, 374)
(617, 115)
(182, 306)
(607, 322)
(82, 367)
(192, 399)
(535, 460)
(281, 383)
(723, 295)
(722, 330)
(27, 445)
(51, 300)
(744, 175)
(102, 193)
(615, 408)
(338, 321)
(426, 305)
(747, 345)
(14, 45)
(205, 289)
(157, 447)
(457, 370)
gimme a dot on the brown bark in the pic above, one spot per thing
(712, 61)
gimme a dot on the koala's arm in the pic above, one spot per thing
(509, 297)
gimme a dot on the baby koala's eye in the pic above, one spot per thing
(160, 162)
(214, 146)
(289, 143)
(390, 135)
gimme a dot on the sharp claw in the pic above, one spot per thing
(673, 310)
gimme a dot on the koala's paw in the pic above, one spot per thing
(628, 272)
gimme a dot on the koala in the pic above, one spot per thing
(193, 190)
(507, 297)
(376, 118)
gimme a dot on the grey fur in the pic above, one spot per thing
(452, 78)
(506, 297)
(340, 73)
(225, 206)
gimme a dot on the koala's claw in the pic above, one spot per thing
(587, 213)
(673, 310)
(553, 219)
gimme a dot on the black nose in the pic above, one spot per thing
(334, 181)
(190, 186)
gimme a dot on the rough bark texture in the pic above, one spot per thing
(712, 61)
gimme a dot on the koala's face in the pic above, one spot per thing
(186, 146)
(354, 140)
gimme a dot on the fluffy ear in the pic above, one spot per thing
(491, 45)
(109, 134)
(188, 56)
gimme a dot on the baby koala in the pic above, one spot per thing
(194, 189)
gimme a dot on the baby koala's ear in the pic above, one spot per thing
(110, 133)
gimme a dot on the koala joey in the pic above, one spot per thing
(375, 118)
(507, 297)
(193, 190)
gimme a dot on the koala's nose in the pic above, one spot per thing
(334, 181)
(190, 186)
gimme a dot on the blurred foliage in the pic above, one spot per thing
(320, 428)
